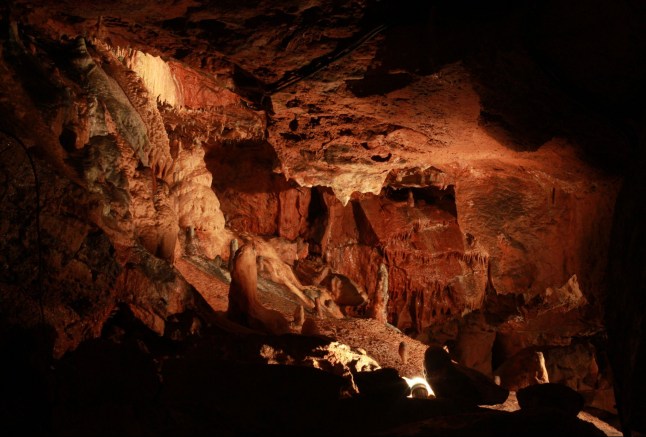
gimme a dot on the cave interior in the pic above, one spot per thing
(262, 217)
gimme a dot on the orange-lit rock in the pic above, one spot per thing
(196, 204)
(275, 259)
(524, 369)
(244, 307)
(581, 367)
(470, 155)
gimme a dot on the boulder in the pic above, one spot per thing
(550, 395)
(450, 380)
(384, 383)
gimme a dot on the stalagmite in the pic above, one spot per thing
(243, 306)
(299, 317)
(317, 307)
(403, 352)
(233, 248)
(191, 243)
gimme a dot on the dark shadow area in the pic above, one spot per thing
(317, 217)
(25, 407)
(132, 382)
(246, 185)
(431, 195)
(378, 84)
(246, 166)
(542, 69)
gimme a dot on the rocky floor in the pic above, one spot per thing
(207, 375)
(213, 382)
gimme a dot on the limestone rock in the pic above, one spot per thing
(159, 235)
(299, 317)
(474, 343)
(522, 370)
(448, 153)
(244, 307)
(582, 367)
(379, 305)
(197, 205)
(344, 290)
(309, 327)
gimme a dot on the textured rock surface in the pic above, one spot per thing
(475, 151)
(524, 369)
(244, 306)
(450, 380)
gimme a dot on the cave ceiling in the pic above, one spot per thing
(352, 90)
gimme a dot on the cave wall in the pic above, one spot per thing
(625, 299)
(476, 152)
(111, 180)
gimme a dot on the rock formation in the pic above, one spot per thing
(244, 307)
(160, 236)
(379, 306)
(449, 380)
(462, 174)
(233, 248)
(299, 318)
(522, 370)
(403, 352)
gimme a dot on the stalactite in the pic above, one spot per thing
(472, 257)
(128, 122)
(379, 305)
(419, 307)
(404, 319)
(159, 157)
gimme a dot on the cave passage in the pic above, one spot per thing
(246, 218)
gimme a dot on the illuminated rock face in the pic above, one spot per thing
(170, 137)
